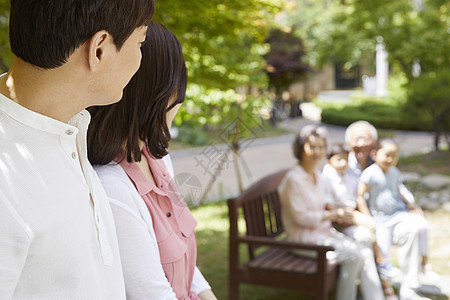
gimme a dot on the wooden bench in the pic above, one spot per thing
(270, 261)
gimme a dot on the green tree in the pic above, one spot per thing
(430, 94)
(414, 32)
(224, 44)
(325, 28)
(284, 62)
(5, 50)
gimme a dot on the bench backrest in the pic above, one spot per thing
(261, 208)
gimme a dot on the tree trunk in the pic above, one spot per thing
(437, 128)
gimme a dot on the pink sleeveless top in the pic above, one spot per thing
(172, 221)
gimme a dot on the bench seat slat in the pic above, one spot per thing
(278, 258)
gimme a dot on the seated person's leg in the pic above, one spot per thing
(382, 251)
(406, 236)
(371, 287)
(368, 223)
(423, 237)
(350, 262)
(355, 259)
(384, 240)
(426, 274)
(360, 234)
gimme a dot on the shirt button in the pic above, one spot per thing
(69, 132)
(161, 186)
(168, 214)
(74, 155)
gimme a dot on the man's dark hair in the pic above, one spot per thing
(45, 33)
(303, 135)
(158, 85)
(337, 148)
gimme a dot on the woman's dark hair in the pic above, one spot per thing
(337, 148)
(303, 135)
(158, 85)
(45, 33)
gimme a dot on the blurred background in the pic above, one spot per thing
(264, 60)
(260, 69)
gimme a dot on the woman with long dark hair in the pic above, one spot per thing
(126, 141)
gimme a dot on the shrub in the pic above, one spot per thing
(381, 115)
(195, 136)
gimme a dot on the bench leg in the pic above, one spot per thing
(233, 290)
(322, 294)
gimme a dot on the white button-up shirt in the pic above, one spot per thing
(57, 234)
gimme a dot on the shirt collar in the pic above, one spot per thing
(354, 165)
(41, 122)
(142, 184)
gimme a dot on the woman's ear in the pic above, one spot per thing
(98, 46)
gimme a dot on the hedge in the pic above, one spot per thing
(381, 115)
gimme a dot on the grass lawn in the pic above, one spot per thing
(212, 236)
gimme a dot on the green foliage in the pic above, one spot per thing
(429, 94)
(419, 104)
(413, 32)
(223, 44)
(382, 115)
(5, 51)
(218, 110)
(222, 41)
(325, 27)
(410, 32)
(349, 30)
(189, 135)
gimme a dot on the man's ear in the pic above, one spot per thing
(98, 45)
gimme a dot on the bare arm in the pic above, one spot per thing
(363, 188)
(412, 207)
(207, 295)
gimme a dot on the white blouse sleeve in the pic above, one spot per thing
(199, 283)
(139, 253)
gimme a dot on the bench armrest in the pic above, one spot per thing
(264, 241)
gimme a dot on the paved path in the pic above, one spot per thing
(261, 157)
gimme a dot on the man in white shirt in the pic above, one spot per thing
(57, 233)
